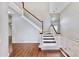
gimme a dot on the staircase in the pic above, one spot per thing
(48, 40)
(48, 43)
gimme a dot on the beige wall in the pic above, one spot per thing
(39, 9)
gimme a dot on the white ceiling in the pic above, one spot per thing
(42, 9)
(39, 9)
(57, 6)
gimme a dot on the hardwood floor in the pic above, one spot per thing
(32, 50)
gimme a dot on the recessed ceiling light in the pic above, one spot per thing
(53, 18)
(9, 12)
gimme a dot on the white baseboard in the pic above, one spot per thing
(25, 42)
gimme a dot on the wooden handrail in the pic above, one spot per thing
(33, 16)
(38, 19)
(55, 29)
(30, 13)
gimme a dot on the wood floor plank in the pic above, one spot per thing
(32, 50)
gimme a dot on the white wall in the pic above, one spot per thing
(3, 29)
(46, 23)
(70, 29)
(24, 32)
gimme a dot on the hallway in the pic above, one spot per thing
(32, 50)
(39, 29)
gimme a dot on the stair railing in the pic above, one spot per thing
(33, 16)
(55, 29)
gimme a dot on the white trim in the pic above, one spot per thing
(14, 7)
(25, 42)
(66, 7)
